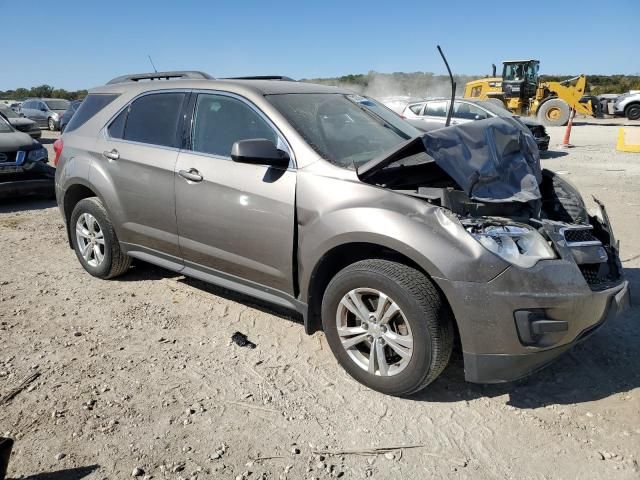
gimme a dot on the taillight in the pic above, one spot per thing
(57, 147)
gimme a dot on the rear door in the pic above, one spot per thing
(435, 111)
(238, 219)
(137, 156)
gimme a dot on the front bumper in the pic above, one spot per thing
(498, 368)
(485, 312)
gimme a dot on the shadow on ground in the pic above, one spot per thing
(549, 154)
(47, 141)
(36, 203)
(604, 365)
(69, 474)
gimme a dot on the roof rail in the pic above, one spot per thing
(136, 77)
(263, 77)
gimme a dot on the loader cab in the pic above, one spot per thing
(520, 78)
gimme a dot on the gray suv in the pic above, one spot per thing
(394, 242)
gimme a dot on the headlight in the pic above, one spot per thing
(39, 154)
(517, 245)
(55, 116)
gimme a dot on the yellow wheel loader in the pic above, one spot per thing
(520, 91)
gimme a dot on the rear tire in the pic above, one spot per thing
(633, 112)
(94, 240)
(412, 347)
(554, 113)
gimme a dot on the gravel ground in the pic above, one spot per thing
(138, 377)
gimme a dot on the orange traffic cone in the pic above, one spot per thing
(567, 132)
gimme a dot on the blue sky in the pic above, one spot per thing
(80, 44)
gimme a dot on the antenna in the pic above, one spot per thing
(453, 88)
(151, 61)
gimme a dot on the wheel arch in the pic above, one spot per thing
(339, 257)
(72, 195)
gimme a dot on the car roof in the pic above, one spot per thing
(260, 87)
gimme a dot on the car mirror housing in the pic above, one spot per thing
(259, 151)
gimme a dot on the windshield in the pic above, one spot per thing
(4, 126)
(7, 112)
(348, 130)
(57, 104)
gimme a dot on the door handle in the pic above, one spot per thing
(112, 155)
(192, 175)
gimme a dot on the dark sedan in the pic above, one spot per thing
(20, 123)
(24, 168)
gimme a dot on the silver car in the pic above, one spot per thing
(46, 112)
(628, 105)
(395, 243)
(429, 114)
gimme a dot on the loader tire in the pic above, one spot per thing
(554, 113)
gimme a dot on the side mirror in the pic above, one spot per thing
(259, 151)
(43, 109)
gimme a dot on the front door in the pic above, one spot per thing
(233, 218)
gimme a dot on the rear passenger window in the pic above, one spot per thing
(416, 108)
(91, 105)
(219, 121)
(155, 119)
(436, 109)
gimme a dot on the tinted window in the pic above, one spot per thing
(116, 129)
(155, 119)
(436, 109)
(416, 108)
(88, 108)
(219, 121)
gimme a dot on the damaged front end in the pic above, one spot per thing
(565, 277)
(488, 174)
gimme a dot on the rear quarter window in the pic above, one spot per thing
(91, 105)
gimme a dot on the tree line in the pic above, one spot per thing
(424, 83)
(42, 91)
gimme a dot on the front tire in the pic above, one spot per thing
(633, 112)
(554, 113)
(388, 326)
(95, 241)
(51, 124)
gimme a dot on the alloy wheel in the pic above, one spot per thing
(90, 239)
(374, 332)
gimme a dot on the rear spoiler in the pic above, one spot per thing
(136, 77)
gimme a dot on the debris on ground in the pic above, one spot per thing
(241, 340)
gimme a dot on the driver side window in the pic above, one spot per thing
(219, 121)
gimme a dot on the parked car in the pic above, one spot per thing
(20, 123)
(66, 116)
(323, 201)
(628, 105)
(23, 164)
(46, 112)
(433, 113)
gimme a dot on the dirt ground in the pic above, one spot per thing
(138, 375)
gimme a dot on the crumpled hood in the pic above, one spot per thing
(492, 160)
